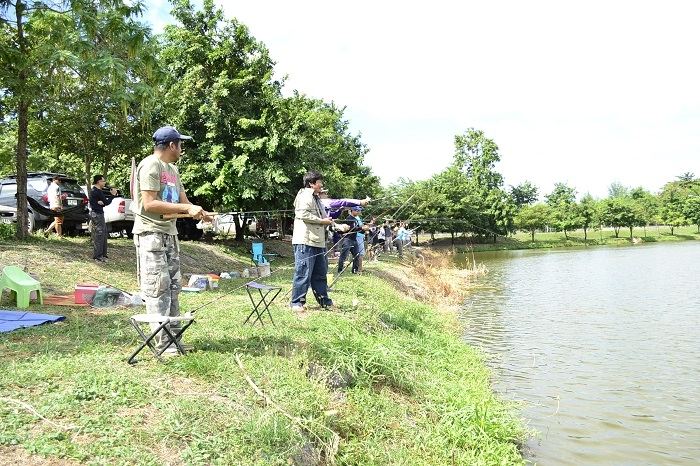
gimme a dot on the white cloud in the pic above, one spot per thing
(587, 93)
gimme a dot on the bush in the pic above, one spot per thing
(7, 230)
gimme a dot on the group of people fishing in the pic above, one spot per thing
(315, 216)
(160, 197)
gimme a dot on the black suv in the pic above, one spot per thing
(37, 186)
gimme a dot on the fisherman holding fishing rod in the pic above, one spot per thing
(160, 199)
(309, 241)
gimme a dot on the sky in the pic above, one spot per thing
(585, 93)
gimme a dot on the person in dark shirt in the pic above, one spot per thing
(349, 244)
(99, 228)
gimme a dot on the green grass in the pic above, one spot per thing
(605, 237)
(413, 392)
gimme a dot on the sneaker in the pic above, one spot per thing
(99, 261)
(103, 259)
(298, 308)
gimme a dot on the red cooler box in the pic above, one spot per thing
(84, 292)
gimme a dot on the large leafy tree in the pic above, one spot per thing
(252, 145)
(565, 212)
(588, 213)
(622, 212)
(532, 218)
(219, 89)
(26, 58)
(672, 203)
(648, 205)
(99, 112)
(476, 156)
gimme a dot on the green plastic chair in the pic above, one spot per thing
(21, 283)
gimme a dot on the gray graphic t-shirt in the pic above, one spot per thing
(152, 174)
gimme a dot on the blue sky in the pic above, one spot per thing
(583, 93)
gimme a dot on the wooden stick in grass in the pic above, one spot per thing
(31, 409)
(331, 449)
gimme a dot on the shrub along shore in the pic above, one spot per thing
(381, 379)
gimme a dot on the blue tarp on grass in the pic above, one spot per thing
(12, 320)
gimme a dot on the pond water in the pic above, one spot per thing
(601, 348)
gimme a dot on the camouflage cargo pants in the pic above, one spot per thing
(160, 278)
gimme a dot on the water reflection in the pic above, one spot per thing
(601, 345)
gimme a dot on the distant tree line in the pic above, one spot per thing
(468, 198)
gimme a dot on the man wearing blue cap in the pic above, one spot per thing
(158, 191)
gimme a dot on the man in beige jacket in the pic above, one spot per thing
(309, 242)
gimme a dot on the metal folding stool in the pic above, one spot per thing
(164, 322)
(263, 304)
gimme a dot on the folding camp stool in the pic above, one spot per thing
(139, 319)
(263, 304)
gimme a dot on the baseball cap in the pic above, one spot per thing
(357, 208)
(167, 134)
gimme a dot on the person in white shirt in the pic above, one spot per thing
(55, 204)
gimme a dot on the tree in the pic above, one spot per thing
(455, 200)
(252, 146)
(532, 218)
(476, 156)
(648, 204)
(24, 61)
(691, 209)
(672, 200)
(99, 112)
(588, 213)
(565, 215)
(622, 212)
(524, 194)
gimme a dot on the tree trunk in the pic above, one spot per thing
(452, 233)
(585, 234)
(671, 230)
(617, 231)
(240, 226)
(22, 126)
(21, 167)
(631, 233)
(565, 235)
(532, 232)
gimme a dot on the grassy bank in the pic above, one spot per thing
(382, 379)
(605, 237)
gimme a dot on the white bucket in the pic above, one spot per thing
(264, 270)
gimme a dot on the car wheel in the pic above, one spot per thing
(31, 222)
